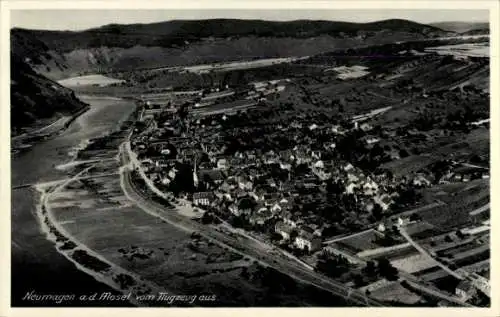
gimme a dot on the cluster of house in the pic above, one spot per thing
(302, 236)
(470, 286)
(464, 174)
(264, 185)
(233, 180)
(244, 185)
(264, 88)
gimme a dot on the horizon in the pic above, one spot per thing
(81, 20)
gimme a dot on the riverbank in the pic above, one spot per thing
(121, 281)
(36, 264)
(26, 140)
(46, 271)
(86, 260)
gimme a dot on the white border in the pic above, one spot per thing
(7, 5)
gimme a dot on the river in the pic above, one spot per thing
(36, 265)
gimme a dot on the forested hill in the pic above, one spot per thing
(180, 32)
(35, 97)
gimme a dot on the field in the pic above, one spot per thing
(229, 107)
(462, 50)
(89, 80)
(432, 274)
(98, 215)
(359, 242)
(476, 142)
(472, 256)
(397, 293)
(350, 72)
(408, 165)
(413, 263)
(217, 67)
(422, 230)
(460, 198)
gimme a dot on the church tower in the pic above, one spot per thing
(195, 176)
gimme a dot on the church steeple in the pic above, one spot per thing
(195, 175)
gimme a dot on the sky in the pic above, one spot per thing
(84, 19)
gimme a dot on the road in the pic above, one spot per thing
(245, 247)
(424, 252)
(480, 210)
(434, 293)
(369, 115)
(60, 181)
(417, 284)
(474, 166)
(60, 121)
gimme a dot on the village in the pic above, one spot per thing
(299, 183)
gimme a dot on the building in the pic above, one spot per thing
(245, 205)
(381, 227)
(291, 222)
(283, 229)
(213, 175)
(465, 290)
(384, 201)
(261, 216)
(365, 127)
(372, 140)
(203, 198)
(421, 181)
(308, 241)
(481, 283)
(222, 164)
(370, 187)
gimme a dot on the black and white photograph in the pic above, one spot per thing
(237, 158)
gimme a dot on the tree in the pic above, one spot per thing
(358, 280)
(332, 265)
(207, 218)
(415, 217)
(403, 153)
(386, 270)
(334, 188)
(370, 269)
(459, 234)
(377, 212)
(276, 237)
(244, 273)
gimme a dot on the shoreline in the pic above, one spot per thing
(87, 261)
(66, 245)
(29, 139)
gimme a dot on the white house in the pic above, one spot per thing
(222, 164)
(465, 290)
(319, 164)
(203, 198)
(384, 201)
(349, 189)
(283, 229)
(372, 140)
(307, 241)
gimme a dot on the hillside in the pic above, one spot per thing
(60, 54)
(476, 32)
(178, 32)
(35, 97)
(461, 27)
(38, 55)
